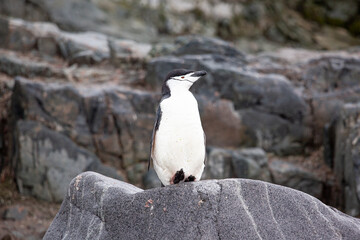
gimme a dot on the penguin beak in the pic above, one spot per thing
(198, 74)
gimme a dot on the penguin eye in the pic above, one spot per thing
(182, 77)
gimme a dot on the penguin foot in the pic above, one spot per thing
(179, 176)
(190, 178)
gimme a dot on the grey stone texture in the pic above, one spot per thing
(47, 161)
(346, 156)
(60, 131)
(97, 207)
(260, 24)
(15, 213)
(86, 48)
(294, 176)
(251, 163)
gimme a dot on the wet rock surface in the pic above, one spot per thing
(226, 209)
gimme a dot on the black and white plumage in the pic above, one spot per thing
(178, 139)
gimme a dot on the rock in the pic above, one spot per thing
(329, 73)
(266, 93)
(150, 21)
(13, 8)
(17, 39)
(20, 35)
(14, 66)
(335, 38)
(86, 57)
(162, 49)
(290, 175)
(6, 236)
(80, 48)
(157, 68)
(248, 163)
(115, 123)
(127, 51)
(29, 10)
(251, 163)
(48, 39)
(151, 180)
(330, 83)
(331, 12)
(74, 15)
(92, 18)
(218, 164)
(204, 45)
(221, 122)
(47, 161)
(83, 47)
(15, 213)
(346, 156)
(48, 46)
(274, 133)
(102, 208)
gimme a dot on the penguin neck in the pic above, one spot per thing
(179, 91)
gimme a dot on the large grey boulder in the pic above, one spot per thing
(97, 207)
(195, 45)
(47, 161)
(111, 124)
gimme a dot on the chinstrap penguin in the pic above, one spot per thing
(178, 139)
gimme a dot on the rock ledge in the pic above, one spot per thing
(97, 207)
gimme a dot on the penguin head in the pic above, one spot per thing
(181, 78)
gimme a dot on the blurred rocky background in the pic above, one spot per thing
(80, 79)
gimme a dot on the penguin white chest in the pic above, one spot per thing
(180, 142)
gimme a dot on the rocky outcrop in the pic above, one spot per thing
(251, 163)
(296, 177)
(262, 101)
(60, 131)
(47, 161)
(260, 24)
(75, 48)
(284, 103)
(346, 156)
(103, 208)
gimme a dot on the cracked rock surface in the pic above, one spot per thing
(98, 207)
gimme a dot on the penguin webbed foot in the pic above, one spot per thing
(190, 178)
(178, 177)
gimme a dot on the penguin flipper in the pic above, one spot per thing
(205, 148)
(153, 135)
